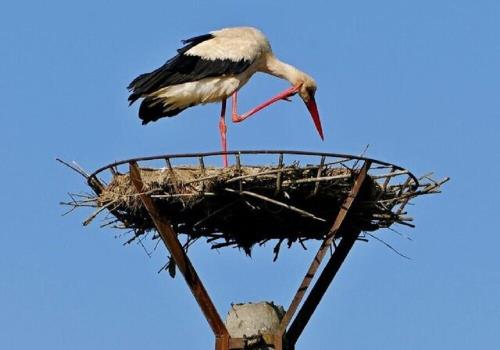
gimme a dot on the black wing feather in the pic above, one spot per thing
(192, 42)
(152, 109)
(182, 69)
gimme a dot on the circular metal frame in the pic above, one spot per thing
(339, 158)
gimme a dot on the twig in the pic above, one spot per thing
(317, 179)
(290, 207)
(75, 167)
(92, 217)
(177, 195)
(361, 155)
(394, 173)
(215, 212)
(276, 249)
(388, 245)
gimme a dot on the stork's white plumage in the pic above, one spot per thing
(212, 67)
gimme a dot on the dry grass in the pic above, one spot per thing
(244, 206)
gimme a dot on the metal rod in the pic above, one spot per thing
(325, 246)
(202, 169)
(238, 167)
(169, 237)
(278, 176)
(208, 154)
(320, 169)
(172, 174)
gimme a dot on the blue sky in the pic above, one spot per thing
(418, 81)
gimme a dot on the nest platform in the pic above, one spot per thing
(294, 197)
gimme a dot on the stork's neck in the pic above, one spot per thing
(283, 70)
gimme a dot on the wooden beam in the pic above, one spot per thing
(169, 237)
(223, 343)
(319, 289)
(344, 209)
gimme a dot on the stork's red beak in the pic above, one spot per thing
(313, 109)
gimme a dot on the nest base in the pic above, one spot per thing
(243, 205)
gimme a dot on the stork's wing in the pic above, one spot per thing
(202, 57)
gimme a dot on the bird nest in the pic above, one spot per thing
(293, 199)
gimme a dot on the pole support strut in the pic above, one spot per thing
(291, 336)
(169, 238)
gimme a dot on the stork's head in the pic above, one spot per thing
(303, 84)
(307, 90)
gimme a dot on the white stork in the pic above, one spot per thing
(212, 67)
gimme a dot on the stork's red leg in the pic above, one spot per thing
(223, 130)
(281, 96)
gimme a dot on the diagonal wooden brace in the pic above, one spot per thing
(169, 237)
(313, 300)
(319, 289)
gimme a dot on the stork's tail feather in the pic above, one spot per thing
(152, 109)
(138, 81)
(140, 85)
(145, 83)
(132, 98)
